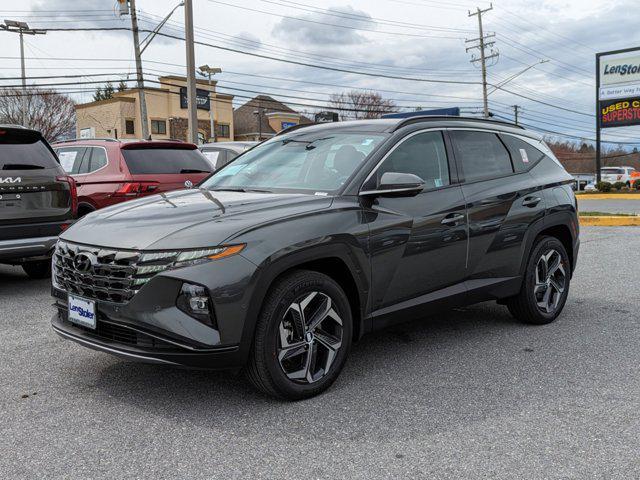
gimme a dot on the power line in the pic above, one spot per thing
(258, 55)
(335, 25)
(362, 18)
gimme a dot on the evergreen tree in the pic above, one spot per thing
(108, 91)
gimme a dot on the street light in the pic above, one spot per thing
(22, 29)
(498, 86)
(204, 71)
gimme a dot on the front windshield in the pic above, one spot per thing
(320, 162)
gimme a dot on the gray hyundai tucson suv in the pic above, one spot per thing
(38, 200)
(282, 259)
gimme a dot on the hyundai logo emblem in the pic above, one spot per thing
(188, 184)
(82, 263)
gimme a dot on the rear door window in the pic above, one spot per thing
(24, 151)
(481, 154)
(523, 154)
(144, 161)
(74, 160)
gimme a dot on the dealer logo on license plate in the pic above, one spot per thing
(82, 312)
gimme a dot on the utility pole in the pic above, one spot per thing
(191, 72)
(206, 69)
(258, 114)
(144, 122)
(22, 29)
(481, 45)
(515, 113)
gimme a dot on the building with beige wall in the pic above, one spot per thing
(262, 117)
(119, 116)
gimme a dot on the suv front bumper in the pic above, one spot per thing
(142, 345)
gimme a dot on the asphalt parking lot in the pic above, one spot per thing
(468, 394)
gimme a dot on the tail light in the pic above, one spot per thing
(73, 191)
(128, 190)
(133, 189)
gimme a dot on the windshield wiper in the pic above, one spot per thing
(239, 189)
(193, 170)
(22, 166)
(310, 143)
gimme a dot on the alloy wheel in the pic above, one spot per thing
(551, 281)
(310, 336)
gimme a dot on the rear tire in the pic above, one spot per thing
(38, 270)
(302, 337)
(545, 285)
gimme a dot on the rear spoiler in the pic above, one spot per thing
(168, 144)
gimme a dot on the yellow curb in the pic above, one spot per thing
(610, 221)
(608, 196)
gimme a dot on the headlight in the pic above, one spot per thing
(151, 263)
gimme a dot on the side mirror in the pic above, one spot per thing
(397, 184)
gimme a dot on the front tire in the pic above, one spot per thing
(545, 286)
(37, 270)
(302, 337)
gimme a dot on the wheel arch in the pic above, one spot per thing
(561, 225)
(86, 207)
(338, 261)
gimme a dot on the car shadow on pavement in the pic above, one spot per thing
(14, 281)
(412, 365)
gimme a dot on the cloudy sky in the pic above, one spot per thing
(412, 51)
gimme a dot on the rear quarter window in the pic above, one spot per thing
(143, 161)
(24, 151)
(523, 154)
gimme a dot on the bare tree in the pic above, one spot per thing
(358, 105)
(47, 110)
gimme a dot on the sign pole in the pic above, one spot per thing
(598, 159)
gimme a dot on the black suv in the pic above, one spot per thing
(297, 248)
(37, 200)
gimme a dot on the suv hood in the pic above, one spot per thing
(187, 218)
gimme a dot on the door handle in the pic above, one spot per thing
(452, 219)
(531, 201)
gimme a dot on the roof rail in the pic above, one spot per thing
(106, 139)
(422, 118)
(295, 127)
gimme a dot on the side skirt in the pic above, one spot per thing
(461, 294)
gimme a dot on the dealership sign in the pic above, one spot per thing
(617, 93)
(202, 98)
(620, 70)
(620, 112)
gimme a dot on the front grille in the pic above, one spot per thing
(116, 334)
(103, 273)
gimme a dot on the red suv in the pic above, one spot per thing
(109, 171)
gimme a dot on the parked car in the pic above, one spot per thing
(283, 258)
(617, 174)
(37, 200)
(220, 153)
(109, 171)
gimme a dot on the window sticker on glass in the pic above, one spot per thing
(67, 159)
(438, 182)
(212, 156)
(367, 141)
(523, 154)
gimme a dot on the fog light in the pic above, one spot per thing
(195, 302)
